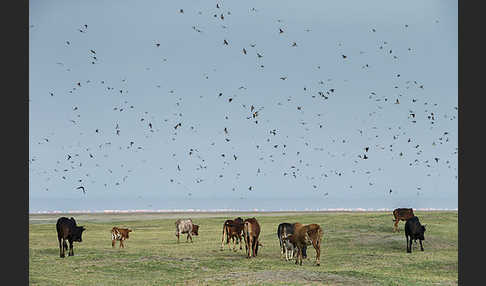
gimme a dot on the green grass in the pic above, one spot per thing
(358, 249)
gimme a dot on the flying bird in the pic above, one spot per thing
(81, 188)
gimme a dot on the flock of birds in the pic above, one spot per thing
(274, 148)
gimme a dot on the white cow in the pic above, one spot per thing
(186, 226)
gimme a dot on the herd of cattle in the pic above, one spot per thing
(293, 238)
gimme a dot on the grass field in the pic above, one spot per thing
(359, 248)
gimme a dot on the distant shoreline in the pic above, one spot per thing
(217, 211)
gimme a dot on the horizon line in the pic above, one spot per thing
(231, 210)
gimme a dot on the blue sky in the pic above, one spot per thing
(308, 139)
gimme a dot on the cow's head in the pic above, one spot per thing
(307, 239)
(195, 229)
(422, 231)
(77, 232)
(287, 237)
(238, 220)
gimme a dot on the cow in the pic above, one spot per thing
(251, 233)
(232, 229)
(284, 229)
(306, 235)
(186, 226)
(401, 214)
(119, 234)
(67, 229)
(414, 230)
(289, 248)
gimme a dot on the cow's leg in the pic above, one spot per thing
(234, 239)
(239, 237)
(61, 247)
(299, 256)
(317, 247)
(256, 246)
(178, 234)
(250, 246)
(222, 238)
(395, 226)
(113, 241)
(71, 250)
(282, 246)
(409, 246)
(421, 246)
(246, 243)
(121, 243)
(283, 250)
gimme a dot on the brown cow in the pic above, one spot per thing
(251, 232)
(119, 234)
(306, 235)
(401, 214)
(232, 229)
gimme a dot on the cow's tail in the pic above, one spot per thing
(320, 234)
(225, 234)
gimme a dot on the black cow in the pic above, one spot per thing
(68, 230)
(415, 230)
(285, 229)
